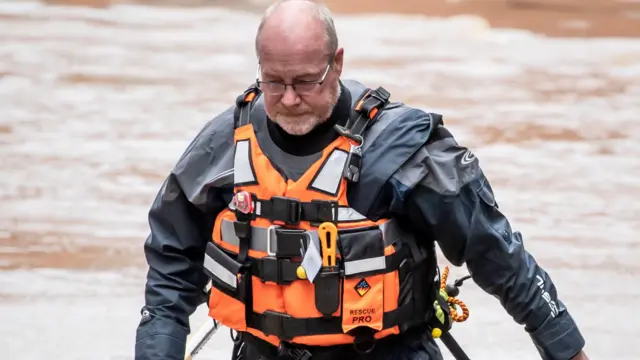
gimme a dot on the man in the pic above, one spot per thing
(278, 151)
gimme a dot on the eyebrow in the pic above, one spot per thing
(311, 73)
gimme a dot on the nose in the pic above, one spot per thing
(290, 97)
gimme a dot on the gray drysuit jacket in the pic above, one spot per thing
(437, 185)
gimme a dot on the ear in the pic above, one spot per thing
(338, 58)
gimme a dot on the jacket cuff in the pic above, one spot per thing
(160, 339)
(558, 338)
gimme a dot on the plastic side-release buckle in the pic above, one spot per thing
(325, 210)
(279, 324)
(287, 210)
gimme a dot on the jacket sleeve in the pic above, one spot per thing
(180, 220)
(445, 193)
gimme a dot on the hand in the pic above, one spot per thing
(581, 356)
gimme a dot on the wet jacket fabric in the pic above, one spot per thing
(441, 190)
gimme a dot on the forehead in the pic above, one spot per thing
(292, 66)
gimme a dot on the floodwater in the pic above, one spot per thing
(96, 105)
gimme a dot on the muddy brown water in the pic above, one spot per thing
(96, 105)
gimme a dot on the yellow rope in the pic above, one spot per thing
(454, 303)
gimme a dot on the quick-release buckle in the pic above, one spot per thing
(286, 209)
(276, 237)
(275, 270)
(274, 324)
(327, 210)
(277, 265)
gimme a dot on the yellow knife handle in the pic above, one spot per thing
(328, 234)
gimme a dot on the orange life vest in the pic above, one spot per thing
(255, 257)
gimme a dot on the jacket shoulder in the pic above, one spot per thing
(208, 156)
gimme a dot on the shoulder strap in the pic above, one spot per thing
(244, 105)
(367, 109)
(365, 112)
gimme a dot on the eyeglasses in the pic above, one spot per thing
(279, 88)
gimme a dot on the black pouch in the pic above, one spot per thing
(225, 273)
(362, 252)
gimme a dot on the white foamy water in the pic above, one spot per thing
(97, 105)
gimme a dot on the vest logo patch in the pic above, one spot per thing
(362, 287)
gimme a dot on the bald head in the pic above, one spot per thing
(296, 24)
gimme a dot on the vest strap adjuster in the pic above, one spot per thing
(279, 271)
(275, 323)
(291, 211)
(289, 243)
(287, 210)
(322, 210)
(372, 102)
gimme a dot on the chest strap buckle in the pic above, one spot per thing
(287, 210)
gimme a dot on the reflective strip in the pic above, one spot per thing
(243, 173)
(365, 265)
(265, 239)
(349, 214)
(219, 271)
(262, 239)
(329, 177)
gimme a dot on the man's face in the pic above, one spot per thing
(312, 88)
